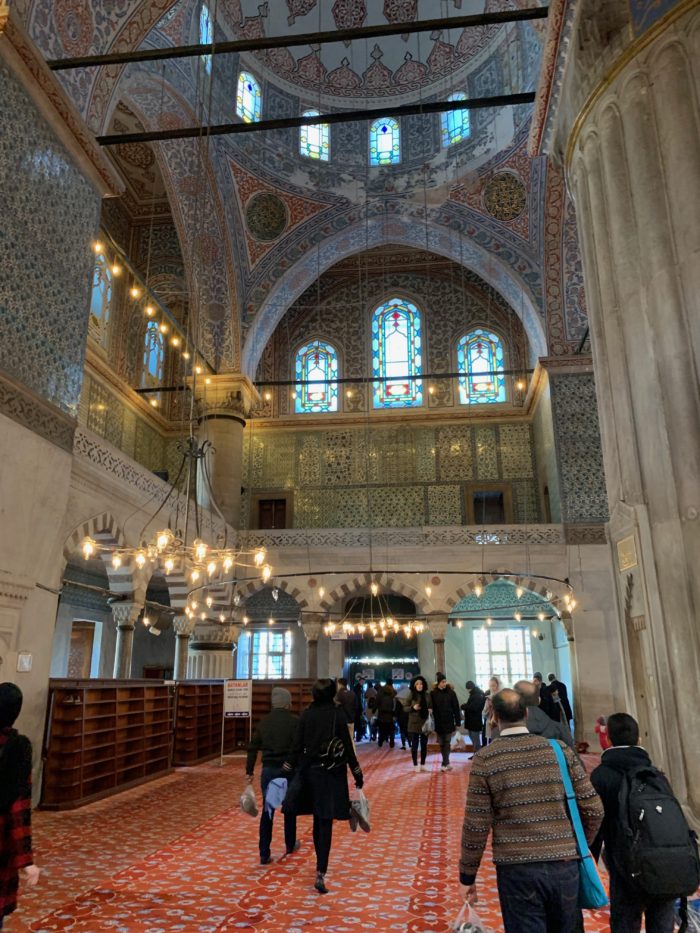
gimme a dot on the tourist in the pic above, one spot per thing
(473, 711)
(360, 721)
(546, 702)
(348, 701)
(318, 726)
(490, 727)
(273, 736)
(403, 706)
(627, 904)
(417, 715)
(601, 728)
(538, 722)
(447, 715)
(371, 710)
(15, 803)
(559, 697)
(515, 789)
(386, 713)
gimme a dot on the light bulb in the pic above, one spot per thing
(535, 633)
(321, 592)
(186, 354)
(195, 604)
(88, 548)
(459, 623)
(520, 385)
(259, 557)
(135, 291)
(150, 310)
(163, 539)
(489, 621)
(209, 601)
(348, 394)
(116, 561)
(163, 328)
(200, 549)
(275, 594)
(211, 568)
(478, 590)
(194, 576)
(519, 591)
(266, 573)
(169, 565)
(222, 617)
(374, 589)
(98, 247)
(116, 269)
(227, 563)
(541, 616)
(428, 591)
(270, 621)
(361, 628)
(154, 403)
(245, 620)
(202, 615)
(188, 612)
(518, 616)
(198, 370)
(572, 605)
(140, 560)
(146, 620)
(294, 395)
(175, 341)
(431, 390)
(268, 396)
(207, 381)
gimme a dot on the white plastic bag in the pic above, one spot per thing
(249, 804)
(429, 724)
(457, 743)
(359, 811)
(468, 921)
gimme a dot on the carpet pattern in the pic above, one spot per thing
(178, 855)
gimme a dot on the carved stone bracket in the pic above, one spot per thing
(438, 627)
(126, 613)
(226, 395)
(183, 626)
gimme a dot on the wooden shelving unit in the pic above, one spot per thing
(104, 736)
(199, 711)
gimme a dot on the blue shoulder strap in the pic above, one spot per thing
(574, 815)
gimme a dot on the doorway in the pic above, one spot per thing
(80, 649)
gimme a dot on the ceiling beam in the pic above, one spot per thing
(310, 38)
(345, 116)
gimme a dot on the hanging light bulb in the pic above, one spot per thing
(572, 605)
(270, 621)
(361, 628)
(195, 604)
(321, 592)
(245, 620)
(236, 599)
(275, 594)
(116, 269)
(428, 591)
(175, 341)
(150, 310)
(519, 591)
(222, 617)
(188, 612)
(518, 616)
(266, 573)
(140, 559)
(194, 576)
(146, 620)
(186, 354)
(374, 589)
(460, 624)
(169, 565)
(535, 633)
(478, 590)
(259, 558)
(209, 601)
(135, 291)
(98, 247)
(88, 547)
(227, 562)
(211, 568)
(489, 621)
(520, 385)
(116, 561)
(541, 616)
(198, 370)
(200, 549)
(163, 539)
(202, 616)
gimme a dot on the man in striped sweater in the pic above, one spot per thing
(515, 789)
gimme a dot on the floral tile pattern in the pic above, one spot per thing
(150, 860)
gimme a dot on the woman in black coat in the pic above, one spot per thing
(417, 715)
(327, 788)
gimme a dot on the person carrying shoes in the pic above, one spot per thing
(273, 736)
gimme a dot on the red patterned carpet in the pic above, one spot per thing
(178, 855)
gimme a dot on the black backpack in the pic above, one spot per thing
(655, 851)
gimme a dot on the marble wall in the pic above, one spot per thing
(50, 213)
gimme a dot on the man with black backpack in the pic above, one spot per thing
(650, 853)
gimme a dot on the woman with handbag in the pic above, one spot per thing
(417, 717)
(321, 753)
(490, 726)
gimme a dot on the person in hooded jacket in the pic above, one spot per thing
(15, 803)
(447, 714)
(326, 790)
(386, 712)
(417, 715)
(473, 711)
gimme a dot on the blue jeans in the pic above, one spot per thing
(539, 897)
(290, 822)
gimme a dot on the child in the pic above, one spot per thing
(602, 730)
(15, 803)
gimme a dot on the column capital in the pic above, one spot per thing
(214, 636)
(438, 625)
(227, 395)
(183, 626)
(126, 613)
(312, 624)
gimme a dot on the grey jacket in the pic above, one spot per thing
(539, 723)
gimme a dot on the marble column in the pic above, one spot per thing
(211, 652)
(634, 170)
(312, 625)
(125, 615)
(438, 629)
(183, 628)
(223, 405)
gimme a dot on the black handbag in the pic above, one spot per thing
(333, 754)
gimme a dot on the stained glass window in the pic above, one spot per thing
(481, 364)
(384, 142)
(316, 371)
(505, 652)
(153, 356)
(206, 33)
(315, 140)
(271, 655)
(455, 123)
(397, 354)
(248, 98)
(101, 299)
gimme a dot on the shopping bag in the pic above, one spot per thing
(274, 797)
(429, 724)
(468, 921)
(248, 802)
(359, 805)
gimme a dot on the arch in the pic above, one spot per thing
(102, 528)
(466, 588)
(398, 231)
(251, 587)
(359, 586)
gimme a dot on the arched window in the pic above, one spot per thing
(455, 123)
(397, 350)
(314, 140)
(153, 356)
(206, 34)
(248, 98)
(316, 372)
(101, 299)
(384, 142)
(481, 364)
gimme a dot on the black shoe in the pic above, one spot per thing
(295, 848)
(266, 861)
(320, 884)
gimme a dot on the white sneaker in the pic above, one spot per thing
(445, 767)
(422, 768)
(416, 769)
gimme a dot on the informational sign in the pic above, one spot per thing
(339, 636)
(368, 673)
(626, 554)
(238, 699)
(398, 673)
